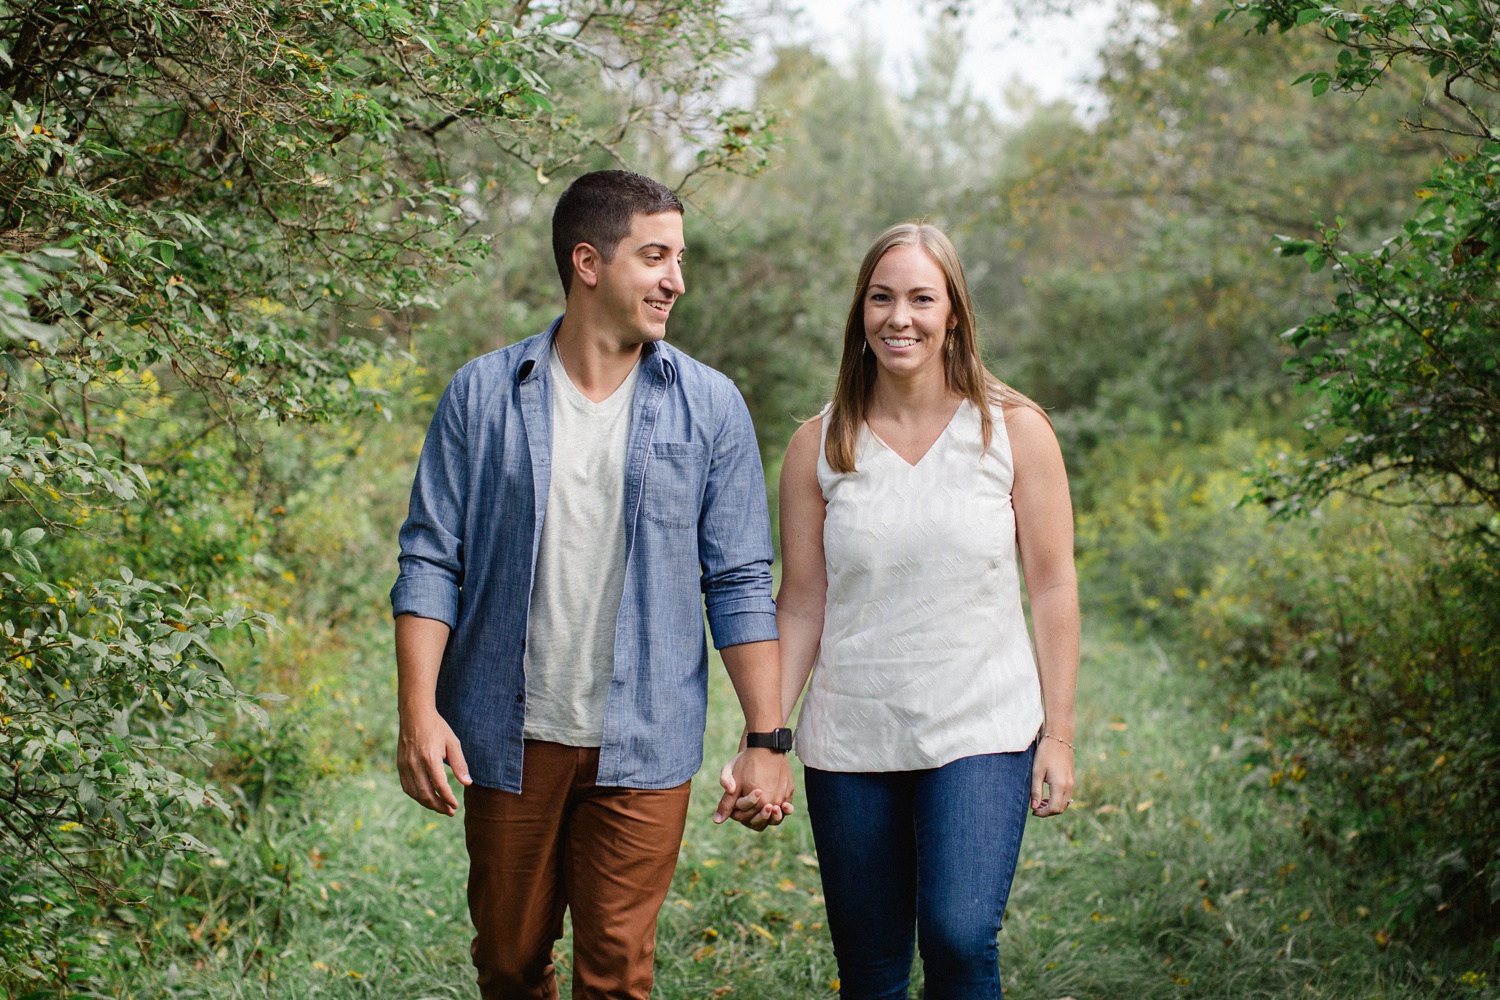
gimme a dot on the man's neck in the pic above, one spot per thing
(596, 361)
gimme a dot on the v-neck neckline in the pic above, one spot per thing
(935, 441)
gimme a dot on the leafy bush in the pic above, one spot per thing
(107, 689)
(1371, 657)
(1157, 519)
(1361, 643)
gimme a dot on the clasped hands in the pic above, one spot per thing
(757, 782)
(757, 789)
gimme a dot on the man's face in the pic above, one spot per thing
(638, 287)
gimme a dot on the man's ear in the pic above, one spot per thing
(586, 261)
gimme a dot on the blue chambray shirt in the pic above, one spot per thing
(695, 524)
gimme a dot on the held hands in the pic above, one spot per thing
(757, 789)
(1053, 766)
(426, 742)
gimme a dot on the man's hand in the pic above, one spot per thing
(425, 743)
(757, 789)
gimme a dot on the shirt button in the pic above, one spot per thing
(520, 699)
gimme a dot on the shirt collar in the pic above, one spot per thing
(655, 359)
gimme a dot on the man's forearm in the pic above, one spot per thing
(419, 653)
(758, 782)
(754, 669)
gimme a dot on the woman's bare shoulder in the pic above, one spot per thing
(1024, 419)
(1029, 430)
(809, 435)
(802, 450)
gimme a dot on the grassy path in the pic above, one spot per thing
(1178, 874)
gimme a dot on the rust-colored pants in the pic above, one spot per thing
(564, 842)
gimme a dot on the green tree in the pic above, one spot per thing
(1149, 290)
(1406, 364)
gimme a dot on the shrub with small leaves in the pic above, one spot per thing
(106, 691)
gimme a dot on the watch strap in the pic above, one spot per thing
(779, 740)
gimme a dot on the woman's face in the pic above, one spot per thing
(907, 311)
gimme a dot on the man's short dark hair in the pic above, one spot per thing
(596, 209)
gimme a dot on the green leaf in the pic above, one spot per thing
(53, 259)
(31, 536)
(13, 368)
(1308, 14)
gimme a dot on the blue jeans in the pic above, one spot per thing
(932, 851)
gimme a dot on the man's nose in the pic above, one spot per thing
(674, 280)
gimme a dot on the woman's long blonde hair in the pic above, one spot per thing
(965, 371)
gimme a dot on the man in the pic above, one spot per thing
(579, 497)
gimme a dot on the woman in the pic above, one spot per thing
(928, 727)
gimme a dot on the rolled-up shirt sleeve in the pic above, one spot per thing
(432, 552)
(734, 532)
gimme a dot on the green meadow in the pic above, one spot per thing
(1178, 873)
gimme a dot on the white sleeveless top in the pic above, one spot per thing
(925, 657)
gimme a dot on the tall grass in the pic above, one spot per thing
(1177, 874)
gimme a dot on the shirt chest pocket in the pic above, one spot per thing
(672, 486)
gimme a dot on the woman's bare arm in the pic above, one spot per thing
(1044, 535)
(804, 576)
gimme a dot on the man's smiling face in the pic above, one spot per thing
(640, 284)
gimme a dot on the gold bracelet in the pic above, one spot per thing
(1049, 736)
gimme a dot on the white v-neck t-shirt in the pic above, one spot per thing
(580, 565)
(925, 656)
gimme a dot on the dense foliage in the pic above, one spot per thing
(214, 220)
(1408, 361)
(1363, 641)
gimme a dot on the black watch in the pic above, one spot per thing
(779, 740)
